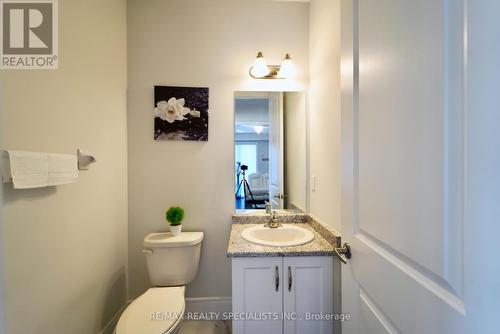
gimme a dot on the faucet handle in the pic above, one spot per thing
(268, 207)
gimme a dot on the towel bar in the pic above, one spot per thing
(84, 160)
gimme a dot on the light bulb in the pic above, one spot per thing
(287, 68)
(258, 129)
(259, 68)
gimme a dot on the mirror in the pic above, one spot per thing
(270, 150)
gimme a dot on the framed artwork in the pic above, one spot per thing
(180, 113)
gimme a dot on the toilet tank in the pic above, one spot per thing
(172, 260)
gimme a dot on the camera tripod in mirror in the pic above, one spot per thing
(243, 182)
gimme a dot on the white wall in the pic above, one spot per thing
(324, 110)
(324, 123)
(294, 112)
(66, 247)
(198, 43)
(252, 110)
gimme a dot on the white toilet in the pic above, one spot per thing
(172, 263)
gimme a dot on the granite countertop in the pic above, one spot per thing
(239, 247)
(261, 217)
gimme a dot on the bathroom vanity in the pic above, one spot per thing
(281, 289)
(285, 289)
(282, 278)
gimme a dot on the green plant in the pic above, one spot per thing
(175, 215)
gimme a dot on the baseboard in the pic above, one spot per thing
(208, 304)
(110, 326)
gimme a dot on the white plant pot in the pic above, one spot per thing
(176, 230)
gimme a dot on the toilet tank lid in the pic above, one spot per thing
(166, 239)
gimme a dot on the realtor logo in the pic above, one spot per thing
(29, 34)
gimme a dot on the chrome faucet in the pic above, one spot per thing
(273, 217)
(268, 207)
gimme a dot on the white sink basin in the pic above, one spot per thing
(284, 236)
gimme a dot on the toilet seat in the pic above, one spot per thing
(157, 311)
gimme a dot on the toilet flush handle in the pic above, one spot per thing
(147, 251)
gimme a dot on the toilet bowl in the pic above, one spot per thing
(158, 310)
(172, 263)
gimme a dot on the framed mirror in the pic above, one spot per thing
(270, 150)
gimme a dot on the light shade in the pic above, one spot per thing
(258, 129)
(260, 68)
(287, 68)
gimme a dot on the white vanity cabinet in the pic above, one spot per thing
(273, 295)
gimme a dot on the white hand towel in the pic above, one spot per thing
(28, 169)
(63, 169)
(35, 170)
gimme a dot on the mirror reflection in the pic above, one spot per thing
(270, 150)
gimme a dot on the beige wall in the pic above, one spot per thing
(198, 43)
(324, 110)
(66, 247)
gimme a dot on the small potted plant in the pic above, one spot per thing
(174, 216)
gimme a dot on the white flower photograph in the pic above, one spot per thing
(180, 113)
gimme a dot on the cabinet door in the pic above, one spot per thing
(257, 292)
(307, 294)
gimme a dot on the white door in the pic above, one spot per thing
(276, 187)
(421, 166)
(257, 286)
(307, 294)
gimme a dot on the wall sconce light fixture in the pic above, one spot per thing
(260, 69)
